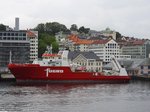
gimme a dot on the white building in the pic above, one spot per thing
(61, 36)
(138, 49)
(105, 49)
(76, 44)
(33, 37)
(82, 45)
(89, 60)
(109, 33)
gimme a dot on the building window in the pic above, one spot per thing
(141, 67)
(24, 38)
(24, 34)
(97, 63)
(8, 34)
(141, 72)
(16, 34)
(149, 67)
(12, 34)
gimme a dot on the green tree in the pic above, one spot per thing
(82, 29)
(2, 27)
(47, 40)
(118, 36)
(51, 28)
(74, 27)
(55, 27)
(40, 28)
(42, 47)
(55, 47)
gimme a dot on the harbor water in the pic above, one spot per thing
(29, 97)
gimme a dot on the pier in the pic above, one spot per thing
(6, 77)
(141, 77)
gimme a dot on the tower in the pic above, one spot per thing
(16, 24)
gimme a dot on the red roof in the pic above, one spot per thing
(50, 55)
(100, 42)
(30, 34)
(74, 38)
(82, 41)
(138, 42)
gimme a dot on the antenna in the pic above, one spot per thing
(10, 54)
(49, 48)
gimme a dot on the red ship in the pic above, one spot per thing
(58, 70)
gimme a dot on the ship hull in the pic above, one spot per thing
(37, 73)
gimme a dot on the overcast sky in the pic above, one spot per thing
(129, 17)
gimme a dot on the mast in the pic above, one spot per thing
(49, 49)
(10, 54)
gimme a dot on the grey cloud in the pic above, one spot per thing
(129, 17)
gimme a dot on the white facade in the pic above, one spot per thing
(61, 36)
(106, 49)
(113, 35)
(90, 64)
(109, 33)
(33, 37)
(81, 47)
(138, 49)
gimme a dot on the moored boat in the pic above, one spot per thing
(58, 69)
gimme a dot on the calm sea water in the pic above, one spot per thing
(132, 97)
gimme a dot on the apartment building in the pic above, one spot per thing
(33, 38)
(23, 45)
(138, 49)
(82, 45)
(76, 44)
(17, 43)
(105, 49)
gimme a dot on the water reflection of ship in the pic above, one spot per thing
(55, 88)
